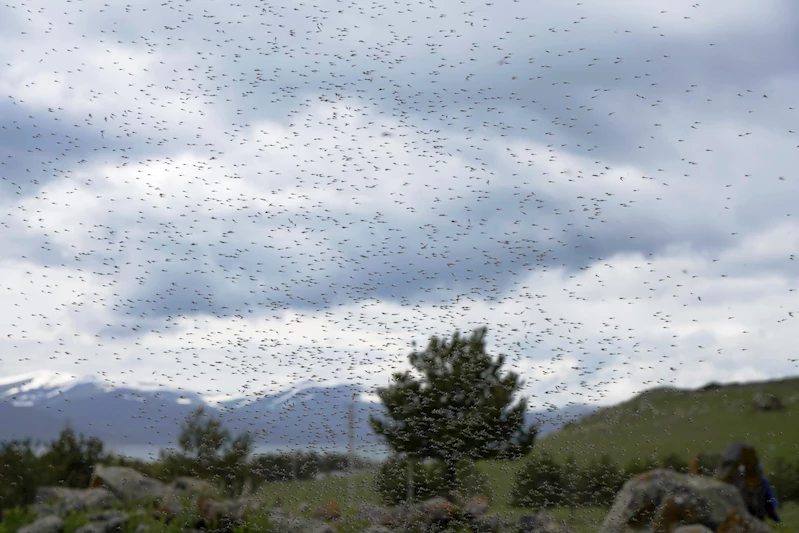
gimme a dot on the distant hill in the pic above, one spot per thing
(685, 421)
(38, 406)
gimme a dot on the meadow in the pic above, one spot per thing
(653, 424)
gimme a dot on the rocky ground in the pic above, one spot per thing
(659, 501)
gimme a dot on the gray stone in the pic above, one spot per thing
(66, 500)
(486, 523)
(128, 484)
(373, 513)
(377, 529)
(48, 524)
(107, 522)
(693, 528)
(691, 499)
(540, 523)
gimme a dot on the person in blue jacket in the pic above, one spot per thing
(772, 504)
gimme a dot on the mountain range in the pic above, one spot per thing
(40, 404)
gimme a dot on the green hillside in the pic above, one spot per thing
(665, 420)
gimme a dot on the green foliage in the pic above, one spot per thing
(541, 483)
(599, 482)
(663, 420)
(708, 462)
(154, 524)
(71, 459)
(19, 475)
(674, 461)
(207, 451)
(74, 520)
(16, 517)
(391, 481)
(639, 466)
(257, 522)
(460, 409)
(68, 462)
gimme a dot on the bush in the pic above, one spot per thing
(673, 461)
(71, 460)
(19, 475)
(708, 463)
(14, 518)
(540, 484)
(599, 482)
(391, 481)
(638, 466)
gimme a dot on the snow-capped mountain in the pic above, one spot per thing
(38, 405)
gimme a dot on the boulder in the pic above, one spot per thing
(282, 522)
(377, 529)
(660, 500)
(193, 486)
(475, 506)
(211, 511)
(486, 523)
(541, 523)
(170, 506)
(127, 484)
(107, 522)
(373, 513)
(433, 513)
(693, 528)
(63, 500)
(328, 510)
(48, 524)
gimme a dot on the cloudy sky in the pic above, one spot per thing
(231, 198)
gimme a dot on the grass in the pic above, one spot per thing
(657, 422)
(684, 421)
(581, 519)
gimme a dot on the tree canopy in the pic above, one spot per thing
(460, 409)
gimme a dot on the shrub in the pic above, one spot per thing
(639, 466)
(71, 460)
(673, 461)
(15, 518)
(19, 475)
(391, 481)
(599, 482)
(541, 483)
(75, 520)
(708, 463)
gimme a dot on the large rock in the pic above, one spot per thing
(328, 510)
(63, 500)
(373, 513)
(283, 522)
(107, 522)
(660, 500)
(475, 506)
(194, 486)
(433, 513)
(128, 484)
(48, 524)
(541, 523)
(230, 512)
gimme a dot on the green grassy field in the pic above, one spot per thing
(656, 422)
(582, 519)
(686, 422)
